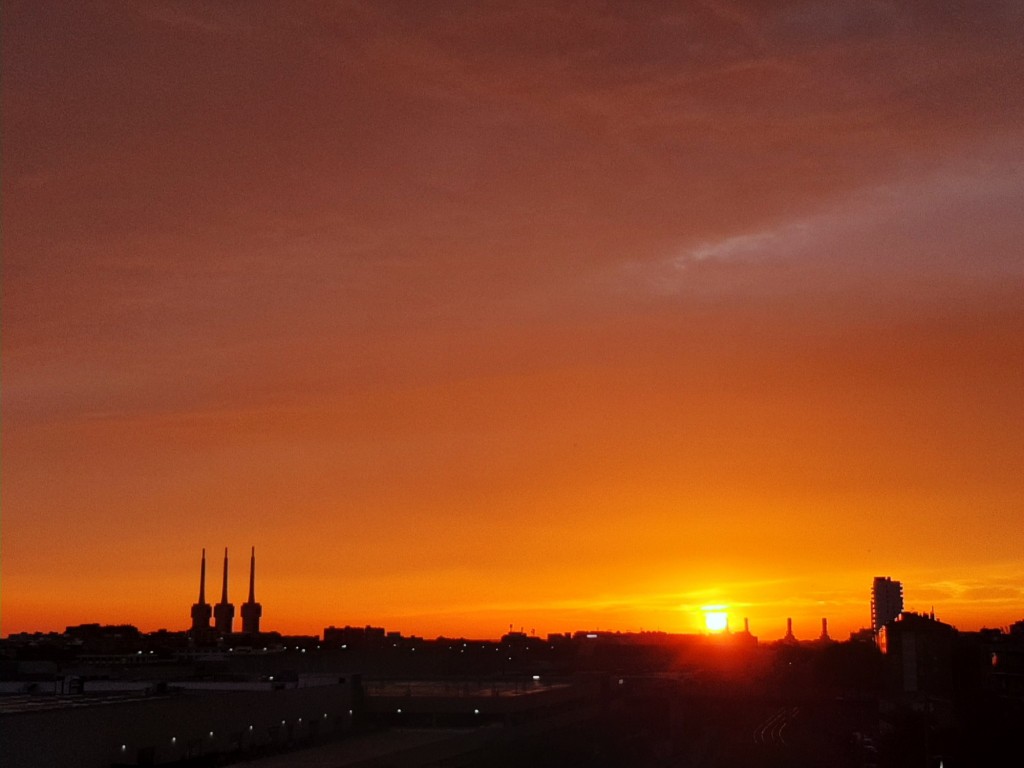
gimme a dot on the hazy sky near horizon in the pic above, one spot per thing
(465, 314)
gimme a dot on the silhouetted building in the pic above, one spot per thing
(886, 601)
(188, 722)
(201, 610)
(1004, 655)
(100, 632)
(224, 612)
(251, 610)
(921, 652)
(355, 637)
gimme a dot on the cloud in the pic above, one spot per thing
(785, 239)
(954, 223)
(210, 19)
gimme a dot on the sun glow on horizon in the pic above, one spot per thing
(716, 618)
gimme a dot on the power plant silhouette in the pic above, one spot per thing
(224, 612)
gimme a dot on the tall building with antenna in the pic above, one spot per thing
(251, 610)
(201, 610)
(224, 612)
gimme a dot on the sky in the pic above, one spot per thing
(470, 315)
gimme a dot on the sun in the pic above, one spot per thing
(716, 619)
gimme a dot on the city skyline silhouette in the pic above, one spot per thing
(211, 622)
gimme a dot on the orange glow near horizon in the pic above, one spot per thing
(528, 317)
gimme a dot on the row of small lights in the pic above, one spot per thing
(399, 711)
(344, 646)
(174, 739)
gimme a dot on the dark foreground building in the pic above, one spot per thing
(156, 724)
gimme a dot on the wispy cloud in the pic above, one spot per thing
(209, 19)
(785, 239)
(911, 225)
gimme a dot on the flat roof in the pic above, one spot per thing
(24, 702)
(457, 689)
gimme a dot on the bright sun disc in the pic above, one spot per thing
(716, 620)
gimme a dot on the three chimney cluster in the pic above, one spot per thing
(224, 612)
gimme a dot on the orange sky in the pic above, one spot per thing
(469, 314)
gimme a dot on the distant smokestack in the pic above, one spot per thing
(789, 631)
(746, 625)
(252, 576)
(224, 591)
(251, 610)
(824, 629)
(202, 579)
(201, 610)
(224, 612)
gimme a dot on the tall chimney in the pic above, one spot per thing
(224, 612)
(251, 610)
(201, 610)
